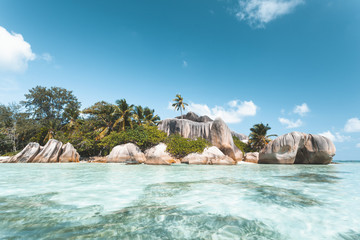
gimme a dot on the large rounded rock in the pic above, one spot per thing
(69, 154)
(216, 132)
(50, 153)
(4, 159)
(252, 157)
(242, 137)
(126, 153)
(27, 154)
(211, 155)
(298, 148)
(158, 155)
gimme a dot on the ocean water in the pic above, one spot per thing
(113, 201)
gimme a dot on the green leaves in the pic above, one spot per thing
(258, 137)
(179, 146)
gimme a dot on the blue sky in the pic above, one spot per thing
(294, 64)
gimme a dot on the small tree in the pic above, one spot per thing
(258, 137)
(179, 104)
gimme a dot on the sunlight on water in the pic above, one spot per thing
(78, 201)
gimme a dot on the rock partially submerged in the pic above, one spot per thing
(126, 153)
(298, 148)
(54, 151)
(50, 153)
(210, 156)
(252, 157)
(216, 132)
(158, 155)
(69, 154)
(27, 154)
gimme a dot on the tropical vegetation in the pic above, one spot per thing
(258, 137)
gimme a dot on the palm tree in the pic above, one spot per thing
(179, 104)
(150, 118)
(107, 115)
(138, 115)
(125, 112)
(258, 137)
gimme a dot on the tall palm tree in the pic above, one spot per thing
(150, 118)
(179, 104)
(258, 137)
(125, 112)
(107, 115)
(138, 115)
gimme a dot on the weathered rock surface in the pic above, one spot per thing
(157, 155)
(27, 154)
(211, 155)
(240, 136)
(298, 148)
(126, 153)
(195, 118)
(50, 153)
(4, 159)
(239, 155)
(252, 157)
(69, 154)
(216, 132)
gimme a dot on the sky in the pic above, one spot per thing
(294, 64)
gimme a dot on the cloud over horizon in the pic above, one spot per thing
(335, 138)
(15, 52)
(260, 12)
(234, 112)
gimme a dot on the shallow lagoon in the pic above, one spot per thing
(247, 201)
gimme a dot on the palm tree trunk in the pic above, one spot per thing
(181, 113)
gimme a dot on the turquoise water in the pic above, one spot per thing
(113, 201)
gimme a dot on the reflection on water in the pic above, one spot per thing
(80, 201)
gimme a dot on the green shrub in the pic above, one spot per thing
(143, 136)
(180, 147)
(244, 147)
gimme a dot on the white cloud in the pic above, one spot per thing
(352, 125)
(302, 109)
(290, 123)
(358, 145)
(15, 52)
(47, 57)
(185, 64)
(335, 138)
(260, 12)
(234, 113)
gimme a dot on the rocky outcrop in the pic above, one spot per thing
(50, 153)
(195, 118)
(211, 155)
(157, 155)
(252, 157)
(239, 155)
(53, 151)
(69, 154)
(240, 136)
(126, 153)
(27, 154)
(298, 148)
(216, 132)
(4, 159)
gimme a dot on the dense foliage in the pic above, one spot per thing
(242, 146)
(179, 146)
(143, 136)
(55, 113)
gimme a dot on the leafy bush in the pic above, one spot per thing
(143, 136)
(242, 146)
(179, 146)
